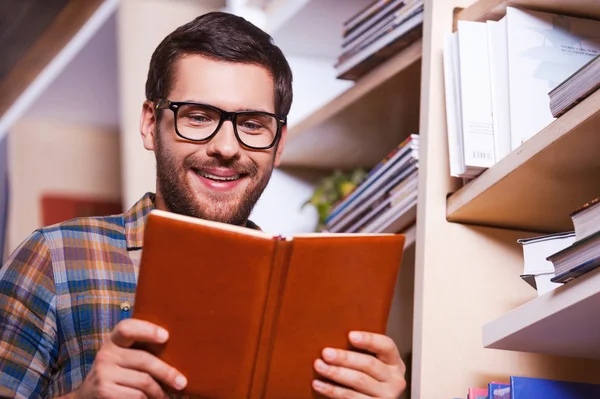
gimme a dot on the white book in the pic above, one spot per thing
(543, 50)
(535, 252)
(455, 151)
(476, 96)
(499, 87)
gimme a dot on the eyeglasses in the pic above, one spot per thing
(257, 130)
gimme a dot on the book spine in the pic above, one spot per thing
(279, 270)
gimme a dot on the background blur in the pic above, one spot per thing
(72, 76)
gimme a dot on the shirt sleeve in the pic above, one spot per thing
(28, 336)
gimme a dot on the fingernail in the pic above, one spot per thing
(318, 384)
(355, 336)
(180, 382)
(329, 354)
(321, 366)
(162, 334)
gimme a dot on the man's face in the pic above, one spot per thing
(220, 179)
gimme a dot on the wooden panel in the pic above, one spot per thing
(68, 22)
(536, 186)
(563, 322)
(495, 9)
(363, 124)
(22, 22)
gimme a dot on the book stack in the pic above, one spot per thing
(575, 88)
(497, 76)
(519, 387)
(376, 33)
(584, 254)
(555, 259)
(386, 200)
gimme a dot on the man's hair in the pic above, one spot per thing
(222, 37)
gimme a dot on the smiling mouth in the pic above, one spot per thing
(218, 178)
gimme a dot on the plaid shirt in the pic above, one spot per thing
(61, 293)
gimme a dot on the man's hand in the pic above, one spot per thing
(364, 375)
(121, 372)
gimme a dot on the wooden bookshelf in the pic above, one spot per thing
(535, 187)
(483, 10)
(362, 125)
(562, 322)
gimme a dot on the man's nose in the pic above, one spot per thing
(224, 144)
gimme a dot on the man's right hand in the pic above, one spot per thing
(122, 372)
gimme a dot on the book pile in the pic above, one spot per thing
(386, 200)
(555, 259)
(497, 78)
(519, 387)
(575, 88)
(376, 33)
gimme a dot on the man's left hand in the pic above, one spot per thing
(363, 376)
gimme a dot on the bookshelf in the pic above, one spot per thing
(562, 322)
(535, 187)
(473, 319)
(361, 125)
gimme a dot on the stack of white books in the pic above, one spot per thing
(497, 78)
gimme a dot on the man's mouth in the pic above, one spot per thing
(218, 178)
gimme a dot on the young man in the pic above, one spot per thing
(218, 92)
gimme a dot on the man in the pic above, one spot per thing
(218, 92)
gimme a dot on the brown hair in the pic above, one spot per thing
(222, 37)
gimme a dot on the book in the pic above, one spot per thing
(476, 95)
(582, 255)
(407, 150)
(543, 50)
(536, 250)
(498, 390)
(477, 393)
(248, 313)
(586, 219)
(576, 88)
(380, 47)
(533, 388)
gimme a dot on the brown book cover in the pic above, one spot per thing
(248, 313)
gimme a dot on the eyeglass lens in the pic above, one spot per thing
(198, 122)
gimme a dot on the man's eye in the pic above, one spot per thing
(251, 125)
(199, 118)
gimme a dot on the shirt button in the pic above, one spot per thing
(125, 306)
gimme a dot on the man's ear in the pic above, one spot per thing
(280, 146)
(148, 125)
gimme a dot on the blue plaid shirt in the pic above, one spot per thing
(61, 293)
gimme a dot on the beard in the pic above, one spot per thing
(226, 207)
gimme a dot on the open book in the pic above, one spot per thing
(248, 313)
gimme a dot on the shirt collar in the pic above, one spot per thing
(135, 221)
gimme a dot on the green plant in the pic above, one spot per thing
(333, 189)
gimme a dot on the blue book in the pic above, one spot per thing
(537, 388)
(497, 390)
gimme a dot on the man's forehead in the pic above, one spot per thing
(237, 84)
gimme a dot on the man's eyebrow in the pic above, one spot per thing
(237, 110)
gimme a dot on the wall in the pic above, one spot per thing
(52, 156)
(141, 26)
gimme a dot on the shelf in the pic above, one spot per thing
(317, 22)
(562, 322)
(535, 187)
(483, 10)
(360, 126)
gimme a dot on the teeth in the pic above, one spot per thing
(218, 178)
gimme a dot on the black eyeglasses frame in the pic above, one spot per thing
(163, 103)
